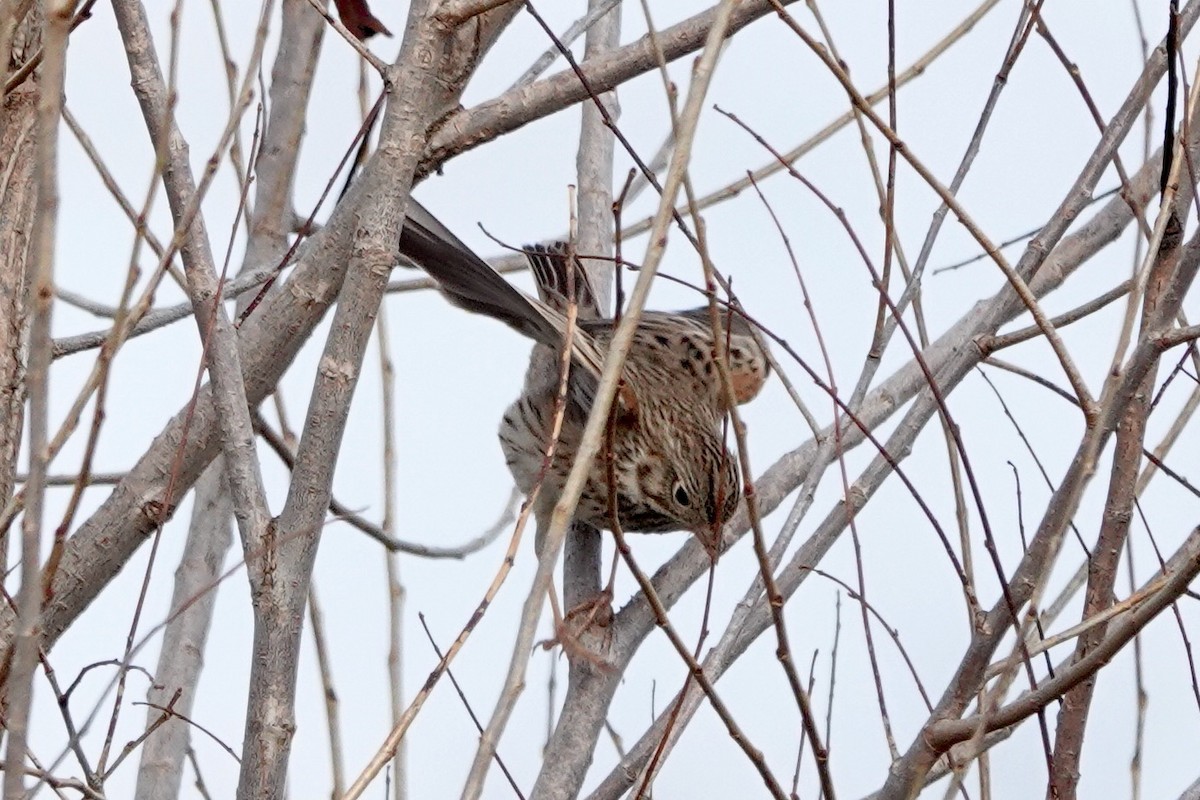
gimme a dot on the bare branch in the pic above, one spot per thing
(594, 171)
(193, 599)
(204, 286)
(55, 19)
(282, 583)
(472, 127)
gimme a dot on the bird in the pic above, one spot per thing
(671, 467)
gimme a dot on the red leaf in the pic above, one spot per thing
(359, 20)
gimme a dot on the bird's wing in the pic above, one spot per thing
(663, 336)
(749, 366)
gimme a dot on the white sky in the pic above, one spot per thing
(455, 375)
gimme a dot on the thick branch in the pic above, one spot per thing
(209, 537)
(1114, 528)
(581, 552)
(472, 127)
(280, 585)
(204, 289)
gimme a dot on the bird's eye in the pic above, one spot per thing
(681, 495)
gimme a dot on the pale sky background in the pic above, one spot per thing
(456, 374)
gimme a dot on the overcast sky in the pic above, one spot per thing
(456, 374)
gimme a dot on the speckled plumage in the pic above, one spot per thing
(672, 469)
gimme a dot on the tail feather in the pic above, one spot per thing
(467, 280)
(557, 283)
(471, 284)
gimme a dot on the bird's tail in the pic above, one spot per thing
(559, 282)
(467, 280)
(470, 283)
